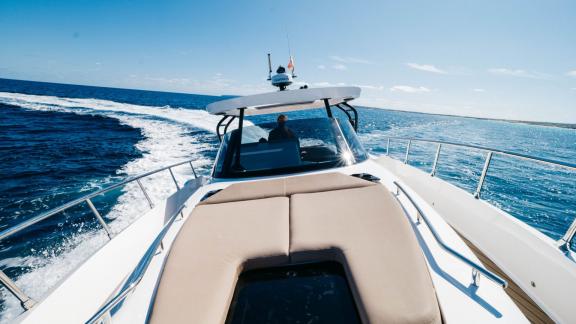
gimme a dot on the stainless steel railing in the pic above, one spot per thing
(476, 268)
(138, 272)
(564, 243)
(26, 301)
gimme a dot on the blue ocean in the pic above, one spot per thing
(59, 142)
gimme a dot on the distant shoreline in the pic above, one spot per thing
(548, 124)
(536, 123)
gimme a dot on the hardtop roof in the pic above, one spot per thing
(283, 101)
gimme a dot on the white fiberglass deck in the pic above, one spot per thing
(509, 243)
(457, 296)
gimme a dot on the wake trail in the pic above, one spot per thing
(170, 135)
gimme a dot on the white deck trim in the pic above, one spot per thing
(522, 252)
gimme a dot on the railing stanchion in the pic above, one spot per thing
(483, 176)
(174, 178)
(480, 270)
(566, 240)
(565, 243)
(11, 286)
(26, 301)
(100, 219)
(150, 203)
(193, 171)
(475, 277)
(137, 273)
(407, 151)
(433, 172)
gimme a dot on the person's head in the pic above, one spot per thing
(282, 119)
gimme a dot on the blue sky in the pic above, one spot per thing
(503, 59)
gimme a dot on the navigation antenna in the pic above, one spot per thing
(291, 59)
(269, 68)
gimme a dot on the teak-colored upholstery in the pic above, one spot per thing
(299, 219)
(365, 230)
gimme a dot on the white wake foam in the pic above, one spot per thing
(196, 118)
(168, 140)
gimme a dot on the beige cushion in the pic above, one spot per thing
(366, 229)
(286, 187)
(209, 253)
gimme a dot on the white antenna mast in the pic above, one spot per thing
(291, 62)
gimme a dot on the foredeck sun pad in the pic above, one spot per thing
(366, 229)
(312, 218)
(205, 260)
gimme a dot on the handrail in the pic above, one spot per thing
(480, 269)
(17, 228)
(482, 148)
(566, 240)
(138, 273)
(26, 301)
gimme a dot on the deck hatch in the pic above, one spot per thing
(307, 293)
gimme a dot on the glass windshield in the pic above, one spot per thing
(292, 146)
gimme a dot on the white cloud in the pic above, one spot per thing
(571, 73)
(321, 67)
(343, 84)
(340, 67)
(322, 84)
(350, 60)
(218, 84)
(426, 68)
(371, 87)
(517, 73)
(328, 84)
(479, 90)
(409, 89)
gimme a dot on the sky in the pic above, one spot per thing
(511, 59)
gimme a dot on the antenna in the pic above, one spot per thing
(291, 61)
(269, 68)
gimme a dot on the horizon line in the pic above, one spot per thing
(530, 122)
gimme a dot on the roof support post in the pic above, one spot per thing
(328, 110)
(355, 115)
(347, 114)
(220, 125)
(240, 125)
(228, 124)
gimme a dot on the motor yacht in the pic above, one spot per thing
(307, 227)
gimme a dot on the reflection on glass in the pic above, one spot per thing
(315, 143)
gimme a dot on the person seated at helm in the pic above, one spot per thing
(281, 132)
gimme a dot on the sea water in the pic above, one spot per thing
(60, 142)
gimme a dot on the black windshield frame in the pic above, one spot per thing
(225, 167)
